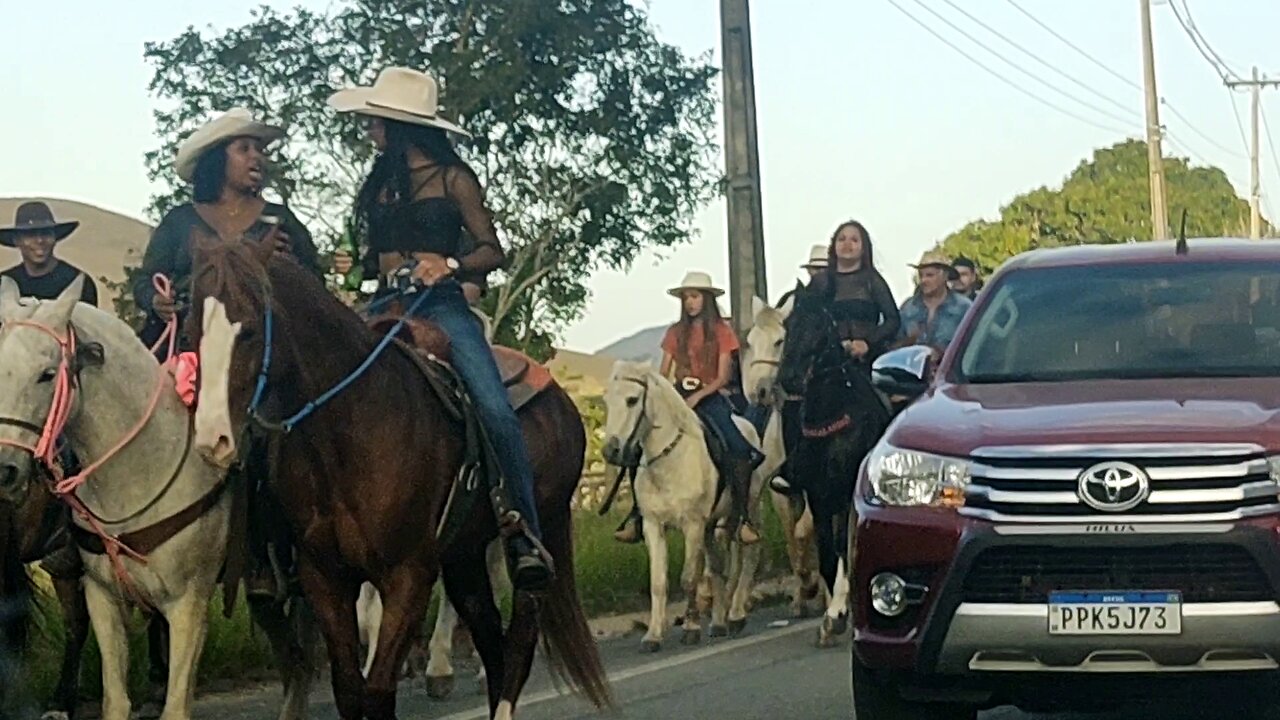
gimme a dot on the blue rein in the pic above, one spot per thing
(287, 424)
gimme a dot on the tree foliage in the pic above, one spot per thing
(1105, 199)
(593, 137)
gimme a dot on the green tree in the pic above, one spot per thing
(1104, 200)
(593, 137)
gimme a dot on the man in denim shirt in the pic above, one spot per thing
(932, 315)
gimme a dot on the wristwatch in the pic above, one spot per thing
(453, 265)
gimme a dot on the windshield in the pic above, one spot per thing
(1164, 320)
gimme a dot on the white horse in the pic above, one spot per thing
(150, 479)
(760, 361)
(650, 426)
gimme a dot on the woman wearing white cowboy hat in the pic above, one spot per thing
(699, 350)
(412, 209)
(225, 163)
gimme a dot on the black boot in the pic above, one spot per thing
(631, 531)
(740, 495)
(531, 569)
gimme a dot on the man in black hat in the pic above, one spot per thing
(965, 280)
(41, 274)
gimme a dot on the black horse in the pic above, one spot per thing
(843, 418)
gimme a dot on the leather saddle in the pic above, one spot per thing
(717, 446)
(524, 378)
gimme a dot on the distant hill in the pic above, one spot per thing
(643, 345)
(581, 374)
(103, 245)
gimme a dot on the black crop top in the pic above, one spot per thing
(425, 225)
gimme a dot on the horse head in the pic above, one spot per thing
(230, 326)
(41, 362)
(637, 401)
(812, 341)
(763, 354)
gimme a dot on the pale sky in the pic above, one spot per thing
(862, 114)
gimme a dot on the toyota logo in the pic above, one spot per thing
(1113, 486)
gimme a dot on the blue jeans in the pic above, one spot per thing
(718, 413)
(474, 363)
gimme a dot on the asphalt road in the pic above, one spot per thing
(769, 673)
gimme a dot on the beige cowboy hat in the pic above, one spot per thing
(696, 280)
(234, 123)
(933, 258)
(34, 217)
(399, 93)
(818, 257)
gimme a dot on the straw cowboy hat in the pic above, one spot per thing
(401, 94)
(235, 123)
(34, 217)
(696, 281)
(933, 258)
(818, 258)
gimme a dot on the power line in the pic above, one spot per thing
(1223, 70)
(1270, 142)
(998, 76)
(1109, 70)
(1123, 107)
(1019, 68)
(1239, 123)
(1075, 47)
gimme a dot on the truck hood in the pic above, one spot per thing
(956, 419)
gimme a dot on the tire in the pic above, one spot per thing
(875, 700)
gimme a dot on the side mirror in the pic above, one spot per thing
(903, 372)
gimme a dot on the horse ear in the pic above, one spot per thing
(60, 309)
(263, 250)
(757, 305)
(9, 297)
(787, 307)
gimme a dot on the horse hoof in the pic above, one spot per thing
(691, 637)
(718, 631)
(825, 641)
(439, 688)
(737, 626)
(649, 647)
(840, 626)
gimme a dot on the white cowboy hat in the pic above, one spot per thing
(401, 94)
(237, 122)
(695, 280)
(818, 257)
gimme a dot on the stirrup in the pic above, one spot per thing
(629, 532)
(780, 485)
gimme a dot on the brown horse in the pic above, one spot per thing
(365, 478)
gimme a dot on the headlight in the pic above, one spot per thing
(908, 478)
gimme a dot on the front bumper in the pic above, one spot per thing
(949, 633)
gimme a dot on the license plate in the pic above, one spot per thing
(1115, 613)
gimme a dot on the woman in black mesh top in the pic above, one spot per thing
(859, 297)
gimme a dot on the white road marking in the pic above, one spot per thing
(482, 713)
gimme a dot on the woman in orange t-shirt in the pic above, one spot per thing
(698, 352)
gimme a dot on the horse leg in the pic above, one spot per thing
(188, 620)
(157, 667)
(695, 559)
(717, 548)
(291, 648)
(831, 566)
(440, 651)
(744, 581)
(107, 612)
(75, 616)
(405, 595)
(656, 543)
(471, 593)
(333, 598)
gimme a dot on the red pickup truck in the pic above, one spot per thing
(1082, 505)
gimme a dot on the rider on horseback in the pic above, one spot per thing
(699, 348)
(225, 162)
(413, 207)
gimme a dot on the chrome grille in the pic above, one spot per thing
(1201, 482)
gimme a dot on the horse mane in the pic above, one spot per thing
(237, 275)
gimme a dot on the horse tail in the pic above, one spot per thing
(566, 640)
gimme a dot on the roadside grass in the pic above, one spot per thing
(612, 578)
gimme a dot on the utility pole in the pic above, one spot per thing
(1255, 172)
(742, 165)
(1155, 155)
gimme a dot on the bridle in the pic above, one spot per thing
(642, 419)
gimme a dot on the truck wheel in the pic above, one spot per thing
(874, 700)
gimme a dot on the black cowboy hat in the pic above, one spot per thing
(32, 217)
